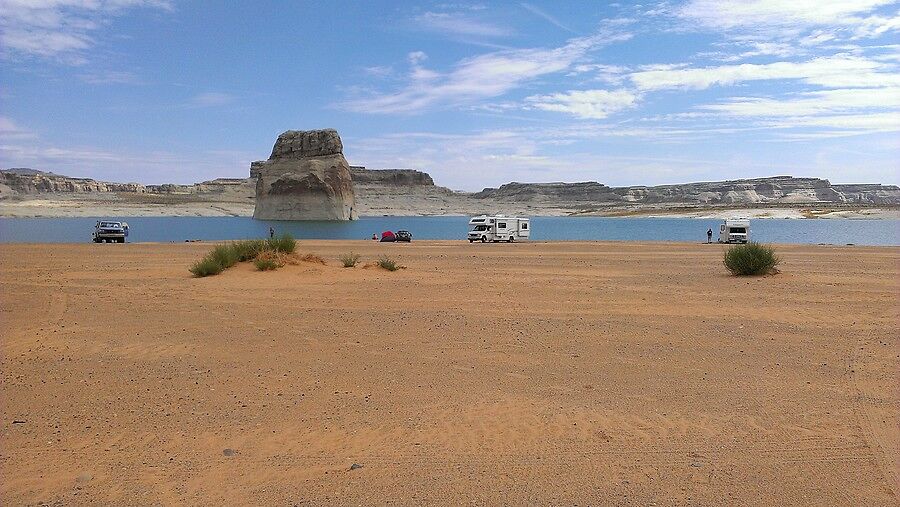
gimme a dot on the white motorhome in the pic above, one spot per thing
(735, 230)
(486, 228)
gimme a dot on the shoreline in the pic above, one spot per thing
(805, 213)
(420, 205)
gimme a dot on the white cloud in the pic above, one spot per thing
(480, 77)
(416, 57)
(10, 130)
(789, 15)
(460, 25)
(831, 71)
(59, 29)
(812, 103)
(585, 104)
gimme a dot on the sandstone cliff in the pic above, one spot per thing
(397, 177)
(305, 178)
(410, 192)
(774, 190)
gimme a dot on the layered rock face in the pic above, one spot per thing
(24, 182)
(305, 178)
(29, 181)
(777, 189)
(396, 177)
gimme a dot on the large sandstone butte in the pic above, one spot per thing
(305, 178)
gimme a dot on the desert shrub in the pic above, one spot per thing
(266, 264)
(224, 255)
(350, 259)
(248, 249)
(206, 266)
(751, 259)
(265, 254)
(388, 264)
(284, 243)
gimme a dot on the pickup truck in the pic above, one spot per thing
(110, 231)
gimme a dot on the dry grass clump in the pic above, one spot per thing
(349, 259)
(312, 258)
(388, 264)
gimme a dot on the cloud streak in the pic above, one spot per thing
(547, 17)
(61, 30)
(481, 77)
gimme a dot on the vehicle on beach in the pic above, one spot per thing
(109, 231)
(735, 230)
(486, 228)
(405, 236)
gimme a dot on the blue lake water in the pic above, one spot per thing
(168, 229)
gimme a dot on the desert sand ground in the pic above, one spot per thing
(543, 373)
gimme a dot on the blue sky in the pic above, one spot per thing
(477, 94)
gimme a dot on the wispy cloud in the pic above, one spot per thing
(794, 18)
(830, 71)
(10, 130)
(854, 110)
(61, 30)
(480, 77)
(585, 104)
(547, 17)
(460, 24)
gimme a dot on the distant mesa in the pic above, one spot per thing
(305, 178)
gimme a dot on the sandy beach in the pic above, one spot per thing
(559, 373)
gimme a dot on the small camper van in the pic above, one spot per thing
(498, 228)
(735, 230)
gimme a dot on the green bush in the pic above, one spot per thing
(248, 249)
(284, 244)
(206, 266)
(266, 264)
(349, 260)
(263, 252)
(225, 255)
(388, 264)
(751, 259)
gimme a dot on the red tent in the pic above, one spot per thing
(388, 236)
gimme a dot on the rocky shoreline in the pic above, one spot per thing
(405, 192)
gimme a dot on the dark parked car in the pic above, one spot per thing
(404, 236)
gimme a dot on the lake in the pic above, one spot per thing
(178, 229)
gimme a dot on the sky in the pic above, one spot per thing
(476, 94)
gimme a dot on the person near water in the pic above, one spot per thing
(271, 232)
(709, 236)
(375, 237)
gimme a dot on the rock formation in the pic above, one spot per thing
(774, 190)
(305, 178)
(395, 177)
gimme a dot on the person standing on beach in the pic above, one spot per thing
(709, 236)
(271, 232)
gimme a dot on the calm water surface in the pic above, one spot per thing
(167, 229)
